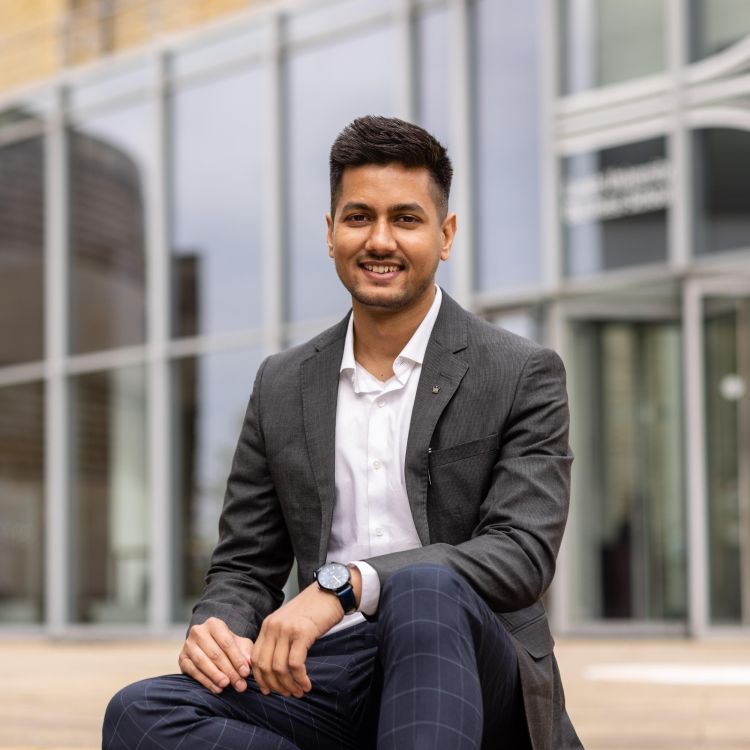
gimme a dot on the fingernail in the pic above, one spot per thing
(223, 682)
(240, 685)
(244, 671)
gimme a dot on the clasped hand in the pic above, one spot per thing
(216, 657)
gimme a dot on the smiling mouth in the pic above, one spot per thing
(380, 268)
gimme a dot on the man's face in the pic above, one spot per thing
(387, 236)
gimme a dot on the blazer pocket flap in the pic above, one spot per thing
(440, 456)
(536, 638)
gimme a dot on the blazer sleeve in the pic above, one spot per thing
(510, 557)
(251, 562)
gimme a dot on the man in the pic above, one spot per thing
(414, 460)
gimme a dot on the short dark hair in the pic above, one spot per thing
(387, 140)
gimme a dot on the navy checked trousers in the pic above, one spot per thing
(436, 671)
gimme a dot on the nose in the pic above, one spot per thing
(381, 237)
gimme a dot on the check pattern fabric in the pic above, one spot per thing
(436, 670)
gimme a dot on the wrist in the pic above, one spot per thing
(356, 583)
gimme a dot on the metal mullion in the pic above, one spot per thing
(596, 140)
(679, 236)
(560, 589)
(697, 541)
(550, 162)
(406, 84)
(274, 174)
(25, 373)
(58, 570)
(461, 86)
(158, 404)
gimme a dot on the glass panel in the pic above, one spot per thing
(609, 41)
(209, 400)
(433, 103)
(727, 363)
(313, 21)
(508, 192)
(216, 211)
(221, 50)
(721, 189)
(22, 252)
(119, 82)
(360, 79)
(22, 503)
(527, 323)
(111, 157)
(109, 496)
(716, 25)
(629, 550)
(615, 206)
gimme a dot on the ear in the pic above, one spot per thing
(448, 232)
(329, 234)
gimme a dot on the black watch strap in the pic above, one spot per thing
(346, 597)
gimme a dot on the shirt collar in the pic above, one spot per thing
(415, 348)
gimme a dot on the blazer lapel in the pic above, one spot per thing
(442, 372)
(320, 382)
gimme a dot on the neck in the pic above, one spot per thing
(381, 334)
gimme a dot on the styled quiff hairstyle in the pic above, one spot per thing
(387, 140)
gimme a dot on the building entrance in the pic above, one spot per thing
(628, 518)
(726, 356)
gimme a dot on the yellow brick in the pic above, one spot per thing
(31, 31)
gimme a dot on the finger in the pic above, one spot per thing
(297, 668)
(187, 667)
(245, 646)
(261, 661)
(281, 675)
(228, 642)
(215, 652)
(205, 665)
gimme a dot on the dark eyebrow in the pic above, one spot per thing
(406, 208)
(397, 208)
(354, 206)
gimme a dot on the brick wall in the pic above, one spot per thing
(38, 37)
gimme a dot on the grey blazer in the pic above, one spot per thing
(487, 474)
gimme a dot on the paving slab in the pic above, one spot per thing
(622, 694)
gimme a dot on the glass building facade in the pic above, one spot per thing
(162, 230)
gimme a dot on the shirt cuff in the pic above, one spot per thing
(370, 595)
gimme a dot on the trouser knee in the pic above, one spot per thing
(423, 595)
(128, 701)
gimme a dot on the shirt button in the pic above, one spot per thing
(381, 403)
(376, 464)
(379, 531)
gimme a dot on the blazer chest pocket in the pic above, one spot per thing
(443, 456)
(459, 477)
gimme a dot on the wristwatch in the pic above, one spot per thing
(336, 579)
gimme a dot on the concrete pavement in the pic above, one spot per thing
(622, 695)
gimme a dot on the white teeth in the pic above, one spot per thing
(380, 269)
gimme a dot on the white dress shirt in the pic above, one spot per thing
(372, 515)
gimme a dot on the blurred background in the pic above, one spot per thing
(163, 183)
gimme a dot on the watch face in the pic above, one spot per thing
(333, 576)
